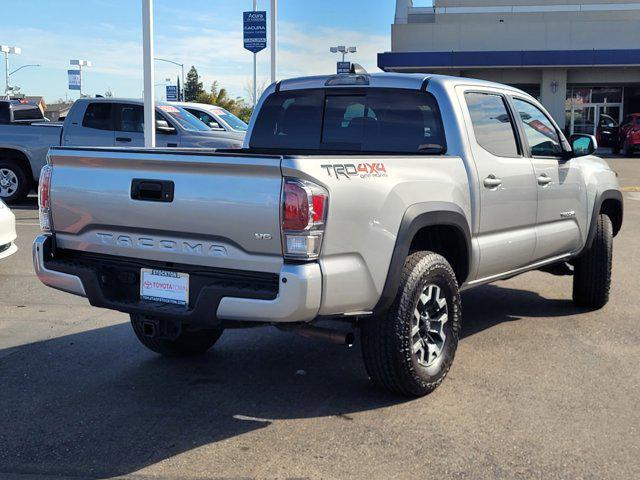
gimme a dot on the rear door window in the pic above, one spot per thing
(492, 124)
(98, 115)
(369, 120)
(130, 118)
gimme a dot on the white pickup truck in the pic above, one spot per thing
(369, 199)
(96, 122)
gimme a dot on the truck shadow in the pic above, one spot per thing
(30, 203)
(97, 404)
(490, 305)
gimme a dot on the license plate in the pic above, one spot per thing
(163, 286)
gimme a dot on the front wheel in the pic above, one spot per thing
(188, 343)
(410, 349)
(592, 271)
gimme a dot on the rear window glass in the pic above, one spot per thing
(492, 124)
(370, 120)
(98, 115)
(27, 112)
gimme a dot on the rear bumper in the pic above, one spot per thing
(292, 296)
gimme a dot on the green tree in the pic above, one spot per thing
(192, 85)
(220, 97)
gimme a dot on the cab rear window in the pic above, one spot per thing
(350, 120)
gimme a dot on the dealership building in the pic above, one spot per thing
(580, 58)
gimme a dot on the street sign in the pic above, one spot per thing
(75, 80)
(255, 31)
(172, 93)
(344, 67)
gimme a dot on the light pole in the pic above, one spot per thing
(274, 39)
(181, 65)
(7, 50)
(148, 74)
(24, 66)
(80, 64)
(343, 50)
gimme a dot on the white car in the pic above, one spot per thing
(7, 231)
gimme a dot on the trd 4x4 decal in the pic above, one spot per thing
(362, 170)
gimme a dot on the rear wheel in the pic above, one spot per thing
(410, 349)
(14, 182)
(592, 271)
(187, 343)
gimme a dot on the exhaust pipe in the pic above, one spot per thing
(327, 334)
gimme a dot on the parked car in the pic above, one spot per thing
(629, 135)
(607, 131)
(99, 122)
(219, 119)
(7, 228)
(368, 199)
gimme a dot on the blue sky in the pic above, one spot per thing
(204, 33)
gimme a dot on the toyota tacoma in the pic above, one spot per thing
(373, 199)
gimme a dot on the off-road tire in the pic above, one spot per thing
(189, 343)
(24, 184)
(592, 271)
(387, 340)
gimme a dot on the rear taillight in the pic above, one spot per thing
(44, 198)
(304, 213)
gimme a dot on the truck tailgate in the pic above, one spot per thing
(225, 211)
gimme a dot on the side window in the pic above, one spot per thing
(542, 136)
(98, 115)
(492, 124)
(130, 118)
(202, 116)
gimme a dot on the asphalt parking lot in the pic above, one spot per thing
(539, 389)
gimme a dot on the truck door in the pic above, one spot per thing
(562, 198)
(130, 127)
(93, 128)
(507, 187)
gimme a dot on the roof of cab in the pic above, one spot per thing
(392, 80)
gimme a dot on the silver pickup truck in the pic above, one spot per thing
(98, 122)
(368, 199)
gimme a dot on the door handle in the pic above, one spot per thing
(152, 190)
(544, 180)
(492, 182)
(123, 139)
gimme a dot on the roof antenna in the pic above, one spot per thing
(357, 69)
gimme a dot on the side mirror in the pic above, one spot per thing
(162, 126)
(215, 125)
(583, 144)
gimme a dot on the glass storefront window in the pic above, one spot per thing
(606, 95)
(583, 95)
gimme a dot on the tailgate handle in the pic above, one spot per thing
(152, 190)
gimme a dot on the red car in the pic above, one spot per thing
(629, 135)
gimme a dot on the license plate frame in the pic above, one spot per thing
(164, 286)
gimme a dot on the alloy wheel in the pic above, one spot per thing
(427, 327)
(8, 183)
